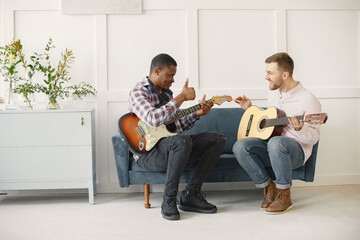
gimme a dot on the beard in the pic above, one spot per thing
(273, 85)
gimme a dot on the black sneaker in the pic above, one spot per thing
(194, 201)
(169, 208)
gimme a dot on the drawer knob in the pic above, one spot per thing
(82, 121)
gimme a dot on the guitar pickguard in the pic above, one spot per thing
(153, 135)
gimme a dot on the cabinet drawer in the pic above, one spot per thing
(50, 163)
(45, 129)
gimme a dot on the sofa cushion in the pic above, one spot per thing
(224, 120)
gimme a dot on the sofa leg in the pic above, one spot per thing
(147, 194)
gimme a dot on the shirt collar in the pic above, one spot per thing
(297, 88)
(149, 83)
(292, 91)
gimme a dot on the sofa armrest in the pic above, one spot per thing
(122, 159)
(310, 164)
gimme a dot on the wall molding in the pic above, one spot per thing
(258, 94)
(101, 7)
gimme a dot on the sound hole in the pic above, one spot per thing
(262, 123)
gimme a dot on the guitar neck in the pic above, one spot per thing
(280, 121)
(185, 112)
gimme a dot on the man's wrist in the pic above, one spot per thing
(180, 99)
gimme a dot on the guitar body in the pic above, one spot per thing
(128, 124)
(252, 123)
(140, 137)
(264, 124)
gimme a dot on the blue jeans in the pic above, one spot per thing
(282, 154)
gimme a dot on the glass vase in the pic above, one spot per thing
(26, 102)
(53, 104)
(10, 101)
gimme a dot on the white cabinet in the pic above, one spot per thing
(47, 150)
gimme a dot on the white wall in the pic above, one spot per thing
(1, 22)
(221, 46)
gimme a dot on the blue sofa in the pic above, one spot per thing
(224, 120)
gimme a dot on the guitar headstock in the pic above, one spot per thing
(316, 118)
(221, 99)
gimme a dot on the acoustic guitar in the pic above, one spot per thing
(264, 124)
(141, 138)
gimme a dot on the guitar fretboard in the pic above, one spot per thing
(280, 121)
(185, 112)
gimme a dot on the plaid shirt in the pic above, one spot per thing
(142, 101)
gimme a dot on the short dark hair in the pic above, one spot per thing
(162, 60)
(283, 60)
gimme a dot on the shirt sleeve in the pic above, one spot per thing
(141, 103)
(310, 134)
(187, 122)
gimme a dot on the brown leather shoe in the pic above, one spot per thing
(269, 194)
(282, 202)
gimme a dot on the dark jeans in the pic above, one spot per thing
(172, 154)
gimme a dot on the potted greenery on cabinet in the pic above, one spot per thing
(54, 79)
(9, 73)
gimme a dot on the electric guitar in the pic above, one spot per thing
(141, 138)
(264, 124)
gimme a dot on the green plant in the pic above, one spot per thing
(8, 61)
(26, 89)
(82, 89)
(56, 78)
(25, 86)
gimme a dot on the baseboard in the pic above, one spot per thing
(113, 187)
(330, 180)
(318, 181)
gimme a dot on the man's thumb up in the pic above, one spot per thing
(186, 83)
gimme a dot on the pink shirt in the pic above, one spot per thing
(293, 103)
